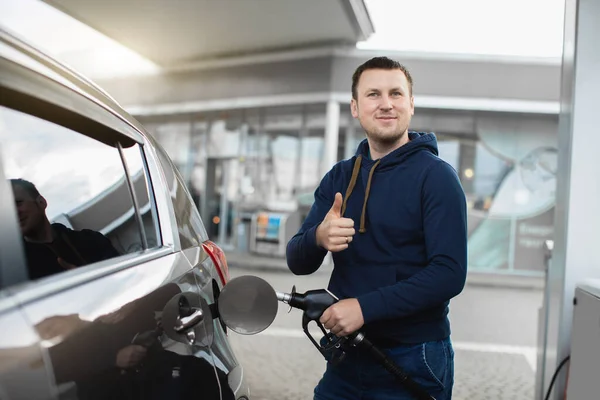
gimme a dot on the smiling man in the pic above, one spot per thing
(394, 218)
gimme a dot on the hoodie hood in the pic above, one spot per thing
(418, 141)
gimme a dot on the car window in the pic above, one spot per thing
(189, 224)
(72, 198)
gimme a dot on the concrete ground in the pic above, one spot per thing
(494, 323)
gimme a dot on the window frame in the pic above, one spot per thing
(27, 91)
(154, 204)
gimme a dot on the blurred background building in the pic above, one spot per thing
(251, 100)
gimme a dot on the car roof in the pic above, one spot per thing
(19, 51)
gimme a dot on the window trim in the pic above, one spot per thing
(136, 205)
(27, 91)
(153, 201)
(164, 204)
(30, 291)
(47, 66)
(10, 239)
(7, 302)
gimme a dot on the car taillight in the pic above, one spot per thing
(218, 258)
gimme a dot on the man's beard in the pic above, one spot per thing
(387, 139)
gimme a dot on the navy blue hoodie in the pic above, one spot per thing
(408, 257)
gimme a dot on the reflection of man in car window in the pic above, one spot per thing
(52, 248)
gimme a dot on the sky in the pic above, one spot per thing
(528, 28)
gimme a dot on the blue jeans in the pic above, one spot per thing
(429, 364)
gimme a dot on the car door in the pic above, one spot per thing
(127, 322)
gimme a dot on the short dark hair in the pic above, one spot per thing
(379, 63)
(27, 186)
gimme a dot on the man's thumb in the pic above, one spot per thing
(336, 208)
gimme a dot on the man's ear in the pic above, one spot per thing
(42, 202)
(412, 105)
(354, 108)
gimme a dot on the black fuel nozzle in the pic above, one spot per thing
(314, 303)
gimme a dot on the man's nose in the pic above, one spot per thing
(386, 103)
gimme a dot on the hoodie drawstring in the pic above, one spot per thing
(355, 172)
(364, 210)
(350, 187)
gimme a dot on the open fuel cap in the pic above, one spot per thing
(247, 305)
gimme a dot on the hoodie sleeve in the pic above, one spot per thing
(445, 234)
(303, 254)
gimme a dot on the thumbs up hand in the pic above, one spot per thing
(335, 233)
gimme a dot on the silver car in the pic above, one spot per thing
(108, 280)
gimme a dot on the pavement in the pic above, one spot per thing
(494, 334)
(255, 262)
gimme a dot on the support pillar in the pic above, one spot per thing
(577, 217)
(302, 133)
(332, 128)
(349, 145)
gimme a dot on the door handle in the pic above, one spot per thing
(185, 323)
(187, 319)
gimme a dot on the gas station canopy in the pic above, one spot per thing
(175, 32)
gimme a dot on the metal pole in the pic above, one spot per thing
(332, 127)
(302, 133)
(191, 159)
(205, 138)
(224, 215)
(349, 147)
(260, 153)
(241, 173)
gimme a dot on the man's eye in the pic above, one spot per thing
(372, 94)
(396, 94)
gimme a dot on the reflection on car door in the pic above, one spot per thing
(23, 373)
(115, 338)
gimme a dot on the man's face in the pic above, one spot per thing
(30, 211)
(384, 105)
